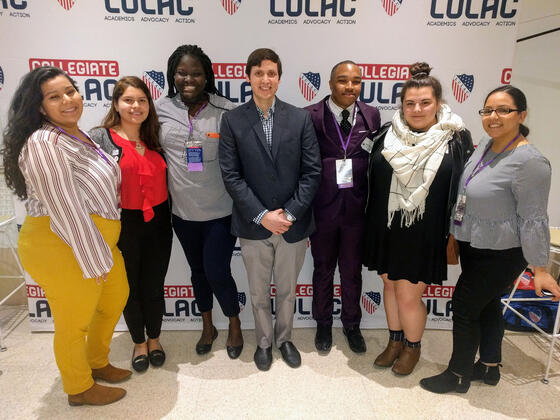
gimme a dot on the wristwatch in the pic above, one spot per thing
(290, 217)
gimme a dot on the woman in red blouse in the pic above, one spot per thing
(130, 133)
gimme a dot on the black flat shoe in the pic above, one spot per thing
(234, 351)
(489, 374)
(323, 338)
(355, 339)
(157, 357)
(263, 358)
(446, 382)
(140, 363)
(205, 348)
(290, 354)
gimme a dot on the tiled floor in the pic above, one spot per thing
(340, 385)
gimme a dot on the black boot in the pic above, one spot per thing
(446, 382)
(489, 374)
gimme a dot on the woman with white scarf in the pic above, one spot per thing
(414, 171)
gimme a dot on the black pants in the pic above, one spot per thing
(146, 248)
(477, 311)
(208, 247)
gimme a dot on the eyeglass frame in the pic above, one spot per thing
(501, 111)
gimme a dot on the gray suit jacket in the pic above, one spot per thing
(258, 178)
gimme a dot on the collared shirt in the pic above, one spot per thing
(267, 122)
(68, 181)
(337, 111)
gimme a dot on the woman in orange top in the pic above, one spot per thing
(130, 133)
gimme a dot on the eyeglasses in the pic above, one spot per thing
(502, 111)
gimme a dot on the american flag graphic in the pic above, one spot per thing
(309, 84)
(371, 301)
(462, 86)
(242, 298)
(535, 317)
(391, 6)
(67, 4)
(155, 82)
(1, 78)
(231, 6)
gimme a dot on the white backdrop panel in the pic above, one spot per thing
(470, 42)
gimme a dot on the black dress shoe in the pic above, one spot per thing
(157, 357)
(323, 338)
(234, 351)
(263, 358)
(355, 340)
(140, 363)
(446, 382)
(290, 354)
(205, 348)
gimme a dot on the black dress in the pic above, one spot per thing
(416, 253)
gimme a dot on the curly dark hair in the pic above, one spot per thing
(149, 130)
(24, 117)
(196, 52)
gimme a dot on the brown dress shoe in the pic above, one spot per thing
(390, 354)
(407, 360)
(111, 374)
(97, 395)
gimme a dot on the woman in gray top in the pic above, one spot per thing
(190, 118)
(501, 223)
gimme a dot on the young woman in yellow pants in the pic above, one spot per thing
(68, 240)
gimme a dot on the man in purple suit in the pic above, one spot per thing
(344, 128)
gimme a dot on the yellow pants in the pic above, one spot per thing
(85, 313)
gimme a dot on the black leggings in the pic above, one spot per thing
(146, 249)
(477, 310)
(208, 247)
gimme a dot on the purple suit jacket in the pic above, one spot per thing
(330, 200)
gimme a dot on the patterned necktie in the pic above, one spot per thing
(345, 124)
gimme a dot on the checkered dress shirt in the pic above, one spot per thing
(267, 123)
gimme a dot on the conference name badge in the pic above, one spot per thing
(367, 145)
(344, 173)
(194, 158)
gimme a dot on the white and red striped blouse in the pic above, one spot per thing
(68, 181)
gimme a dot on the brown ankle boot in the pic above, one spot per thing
(97, 395)
(111, 374)
(407, 360)
(390, 354)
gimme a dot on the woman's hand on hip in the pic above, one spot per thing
(543, 280)
(101, 278)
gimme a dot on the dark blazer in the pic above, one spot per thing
(258, 178)
(331, 200)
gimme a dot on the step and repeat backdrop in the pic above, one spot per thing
(469, 43)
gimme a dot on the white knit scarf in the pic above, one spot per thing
(415, 159)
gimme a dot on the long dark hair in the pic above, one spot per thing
(519, 100)
(24, 117)
(149, 130)
(196, 52)
(420, 77)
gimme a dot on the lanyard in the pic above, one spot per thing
(478, 170)
(342, 142)
(83, 142)
(193, 117)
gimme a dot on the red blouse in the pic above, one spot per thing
(144, 183)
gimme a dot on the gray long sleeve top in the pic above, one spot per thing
(506, 204)
(196, 196)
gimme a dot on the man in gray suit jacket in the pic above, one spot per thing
(271, 167)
